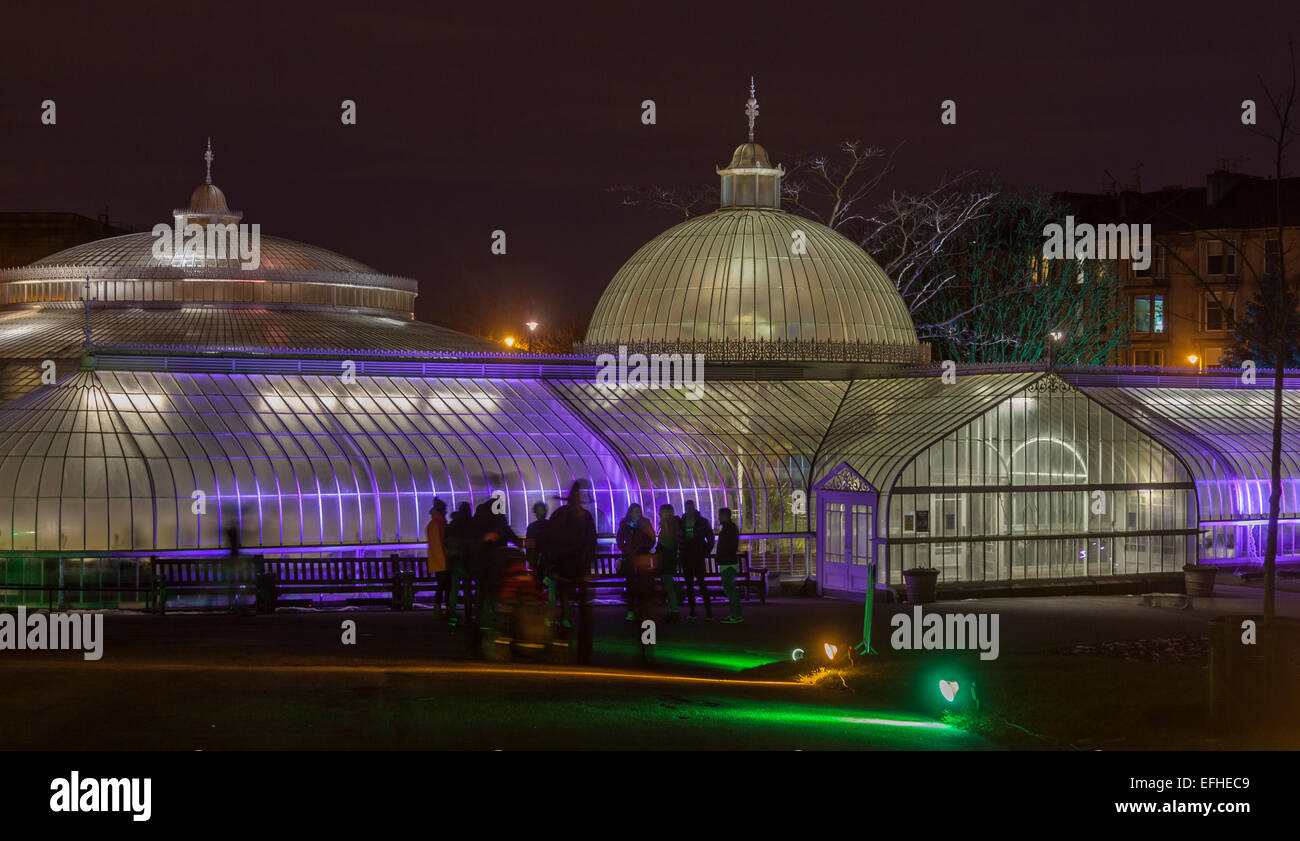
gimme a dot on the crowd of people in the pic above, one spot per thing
(468, 552)
(678, 548)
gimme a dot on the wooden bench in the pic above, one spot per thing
(605, 574)
(401, 578)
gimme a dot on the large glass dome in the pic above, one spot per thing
(751, 282)
(734, 275)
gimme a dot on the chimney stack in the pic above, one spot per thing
(1218, 184)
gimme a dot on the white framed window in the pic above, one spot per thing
(1216, 315)
(1220, 258)
(1149, 314)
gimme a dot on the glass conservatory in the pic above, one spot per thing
(301, 405)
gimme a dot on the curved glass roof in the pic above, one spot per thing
(1225, 436)
(733, 275)
(745, 445)
(58, 333)
(136, 251)
(110, 460)
(884, 422)
(55, 332)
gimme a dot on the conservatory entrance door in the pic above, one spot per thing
(846, 531)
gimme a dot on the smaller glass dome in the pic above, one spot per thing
(750, 156)
(208, 198)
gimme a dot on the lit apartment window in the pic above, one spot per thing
(1216, 315)
(1150, 358)
(1220, 258)
(1149, 314)
(1157, 267)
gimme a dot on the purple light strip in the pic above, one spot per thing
(395, 355)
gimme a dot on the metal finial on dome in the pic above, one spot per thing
(208, 156)
(751, 109)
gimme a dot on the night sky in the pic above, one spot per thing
(520, 117)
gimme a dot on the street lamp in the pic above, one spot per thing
(532, 328)
(1193, 358)
(510, 341)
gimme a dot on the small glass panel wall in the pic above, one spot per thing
(1047, 484)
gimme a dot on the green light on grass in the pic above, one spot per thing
(788, 715)
(894, 722)
(690, 654)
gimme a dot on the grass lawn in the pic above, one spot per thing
(1047, 701)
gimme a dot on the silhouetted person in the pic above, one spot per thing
(697, 542)
(436, 536)
(494, 532)
(234, 568)
(571, 542)
(462, 560)
(635, 540)
(729, 563)
(537, 560)
(667, 551)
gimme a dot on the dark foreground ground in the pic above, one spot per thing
(194, 681)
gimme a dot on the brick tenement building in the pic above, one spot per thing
(27, 237)
(1219, 237)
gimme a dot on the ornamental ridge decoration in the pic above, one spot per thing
(1050, 383)
(845, 478)
(763, 350)
(77, 273)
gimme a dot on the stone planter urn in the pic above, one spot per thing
(922, 584)
(1198, 579)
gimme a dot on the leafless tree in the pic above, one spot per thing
(1281, 104)
(681, 201)
(836, 189)
(917, 239)
(1280, 135)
